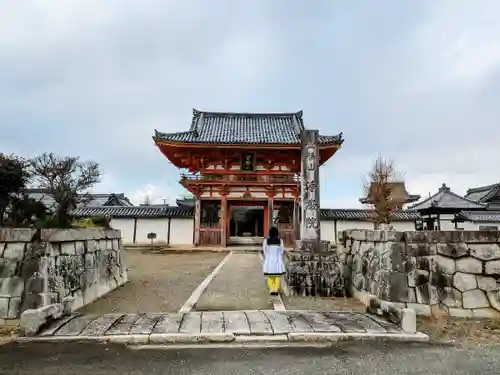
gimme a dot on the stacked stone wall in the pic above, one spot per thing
(40, 267)
(457, 272)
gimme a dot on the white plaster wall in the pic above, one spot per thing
(181, 231)
(126, 226)
(445, 222)
(404, 226)
(157, 225)
(327, 230)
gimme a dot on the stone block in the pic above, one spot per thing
(464, 281)
(444, 264)
(68, 248)
(53, 249)
(460, 313)
(14, 251)
(14, 308)
(409, 321)
(489, 251)
(475, 299)
(488, 284)
(419, 309)
(469, 265)
(79, 247)
(492, 267)
(427, 294)
(485, 313)
(421, 249)
(424, 263)
(479, 236)
(16, 234)
(418, 277)
(452, 250)
(4, 307)
(450, 297)
(116, 244)
(356, 234)
(32, 320)
(419, 237)
(494, 299)
(7, 268)
(12, 286)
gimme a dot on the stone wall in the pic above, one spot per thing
(41, 267)
(457, 272)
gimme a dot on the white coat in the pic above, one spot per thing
(273, 259)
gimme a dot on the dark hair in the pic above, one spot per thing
(273, 232)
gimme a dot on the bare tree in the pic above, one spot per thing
(68, 181)
(377, 186)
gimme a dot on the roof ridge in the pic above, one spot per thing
(197, 113)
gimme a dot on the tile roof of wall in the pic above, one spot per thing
(135, 211)
(244, 128)
(188, 212)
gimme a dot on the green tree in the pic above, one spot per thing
(14, 176)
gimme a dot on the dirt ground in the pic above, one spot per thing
(157, 282)
(442, 328)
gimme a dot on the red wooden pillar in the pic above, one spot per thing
(197, 221)
(270, 210)
(223, 219)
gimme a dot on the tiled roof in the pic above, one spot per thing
(244, 128)
(480, 216)
(113, 199)
(446, 199)
(364, 215)
(483, 193)
(135, 211)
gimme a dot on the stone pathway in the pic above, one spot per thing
(221, 326)
(240, 285)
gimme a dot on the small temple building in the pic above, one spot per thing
(243, 170)
(399, 194)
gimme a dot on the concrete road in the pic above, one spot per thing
(348, 358)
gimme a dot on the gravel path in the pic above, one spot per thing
(240, 285)
(157, 282)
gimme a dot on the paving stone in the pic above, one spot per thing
(279, 322)
(54, 326)
(299, 322)
(99, 326)
(346, 322)
(75, 326)
(388, 326)
(168, 323)
(212, 321)
(367, 323)
(258, 322)
(122, 326)
(145, 324)
(191, 323)
(321, 322)
(236, 322)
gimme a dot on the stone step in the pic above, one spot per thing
(245, 323)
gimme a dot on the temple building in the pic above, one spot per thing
(399, 195)
(244, 171)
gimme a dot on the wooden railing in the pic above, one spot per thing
(286, 179)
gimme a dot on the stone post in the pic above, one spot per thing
(312, 268)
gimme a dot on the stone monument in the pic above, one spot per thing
(312, 267)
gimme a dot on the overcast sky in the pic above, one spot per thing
(417, 81)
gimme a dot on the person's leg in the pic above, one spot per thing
(270, 283)
(277, 282)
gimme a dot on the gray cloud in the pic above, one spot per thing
(416, 81)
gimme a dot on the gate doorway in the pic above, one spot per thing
(246, 224)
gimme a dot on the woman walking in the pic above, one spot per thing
(274, 266)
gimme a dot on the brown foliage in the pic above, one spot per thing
(377, 187)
